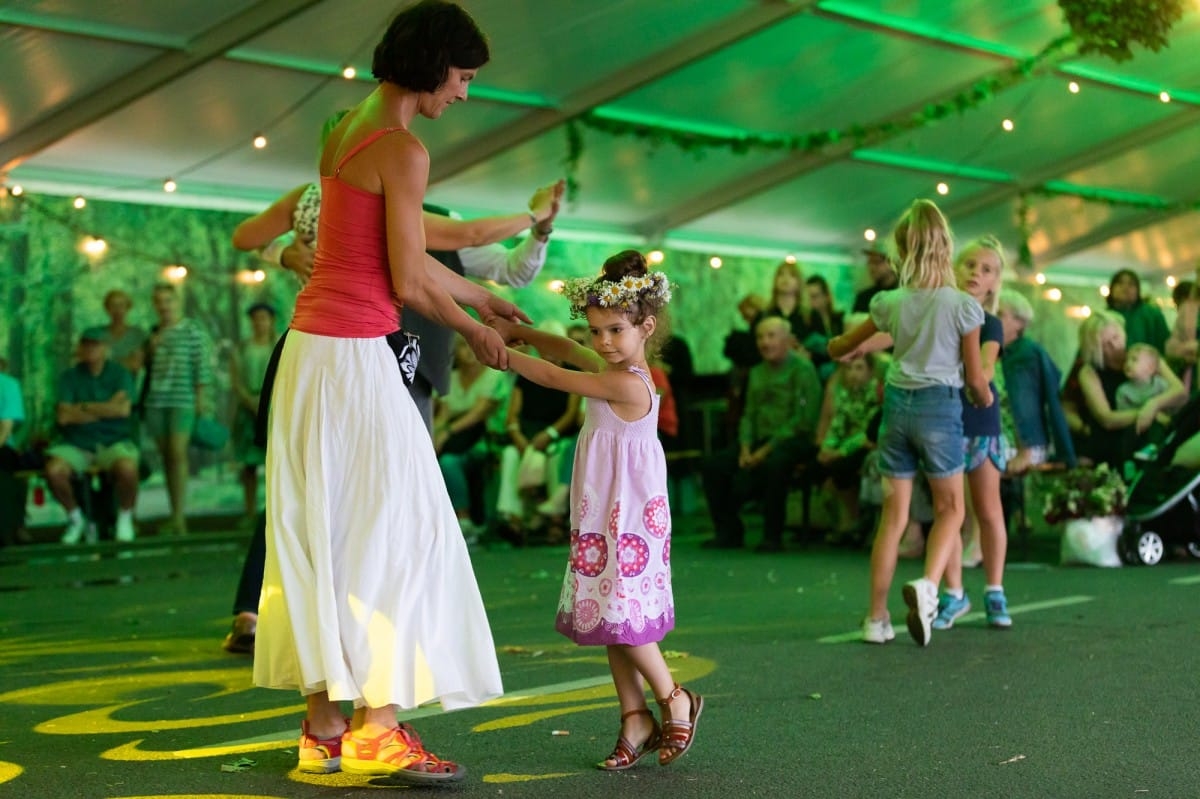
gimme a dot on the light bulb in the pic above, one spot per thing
(715, 262)
(1073, 87)
(79, 202)
(1007, 125)
(943, 189)
(1164, 96)
(260, 141)
(655, 256)
(1040, 279)
(348, 72)
(869, 234)
(17, 190)
(169, 185)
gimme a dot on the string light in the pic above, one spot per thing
(869, 234)
(1073, 87)
(556, 285)
(1007, 125)
(17, 190)
(169, 185)
(94, 246)
(79, 202)
(1164, 96)
(1040, 279)
(943, 189)
(1104, 291)
(791, 259)
(1171, 281)
(348, 72)
(1054, 295)
(175, 273)
(655, 256)
(1079, 311)
(248, 276)
(260, 141)
(715, 262)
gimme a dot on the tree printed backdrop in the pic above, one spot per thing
(51, 290)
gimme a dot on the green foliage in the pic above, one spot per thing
(1109, 27)
(1084, 493)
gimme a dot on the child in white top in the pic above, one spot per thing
(934, 328)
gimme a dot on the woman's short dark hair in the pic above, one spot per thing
(424, 41)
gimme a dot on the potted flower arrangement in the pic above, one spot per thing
(1090, 503)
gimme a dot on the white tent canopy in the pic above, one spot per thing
(111, 99)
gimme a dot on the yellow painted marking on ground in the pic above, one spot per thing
(9, 772)
(132, 751)
(203, 796)
(1013, 610)
(503, 778)
(525, 719)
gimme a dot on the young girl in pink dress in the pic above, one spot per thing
(617, 590)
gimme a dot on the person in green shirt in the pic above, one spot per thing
(776, 432)
(1144, 322)
(93, 414)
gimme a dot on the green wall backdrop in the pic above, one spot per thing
(50, 290)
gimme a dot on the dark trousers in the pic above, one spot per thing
(727, 487)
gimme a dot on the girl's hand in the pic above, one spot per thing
(1020, 463)
(488, 346)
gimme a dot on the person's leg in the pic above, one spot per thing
(775, 476)
(174, 450)
(985, 497)
(62, 463)
(948, 513)
(58, 477)
(248, 476)
(897, 493)
(723, 480)
(639, 730)
(681, 708)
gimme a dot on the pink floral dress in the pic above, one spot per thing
(617, 589)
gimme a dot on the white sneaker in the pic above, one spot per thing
(921, 598)
(877, 631)
(124, 531)
(75, 530)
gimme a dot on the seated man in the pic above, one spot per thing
(776, 432)
(93, 414)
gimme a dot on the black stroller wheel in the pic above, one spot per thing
(1149, 547)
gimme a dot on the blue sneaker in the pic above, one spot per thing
(950, 609)
(996, 605)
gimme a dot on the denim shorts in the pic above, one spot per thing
(922, 429)
(979, 449)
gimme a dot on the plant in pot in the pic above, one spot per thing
(1089, 502)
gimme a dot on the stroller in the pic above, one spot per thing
(1163, 507)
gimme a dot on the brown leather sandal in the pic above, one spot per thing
(625, 754)
(677, 735)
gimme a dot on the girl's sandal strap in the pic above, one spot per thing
(625, 754)
(677, 734)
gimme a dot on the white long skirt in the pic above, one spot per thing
(368, 591)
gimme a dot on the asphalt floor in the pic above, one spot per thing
(114, 683)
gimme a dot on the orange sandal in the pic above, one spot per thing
(319, 755)
(399, 754)
(677, 736)
(625, 753)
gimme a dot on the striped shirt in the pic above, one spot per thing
(182, 361)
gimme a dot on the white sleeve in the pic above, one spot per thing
(516, 267)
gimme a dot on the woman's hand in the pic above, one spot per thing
(494, 308)
(510, 331)
(1145, 416)
(545, 201)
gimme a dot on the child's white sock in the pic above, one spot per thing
(999, 588)
(75, 515)
(957, 593)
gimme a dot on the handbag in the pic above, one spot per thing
(407, 347)
(531, 472)
(209, 434)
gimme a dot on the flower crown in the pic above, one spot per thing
(585, 292)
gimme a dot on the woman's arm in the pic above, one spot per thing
(415, 280)
(446, 233)
(827, 410)
(1097, 403)
(268, 225)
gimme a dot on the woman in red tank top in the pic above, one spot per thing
(369, 596)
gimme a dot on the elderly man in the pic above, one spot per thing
(93, 414)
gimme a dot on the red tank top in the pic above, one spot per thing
(350, 292)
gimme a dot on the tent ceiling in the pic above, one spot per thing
(114, 98)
